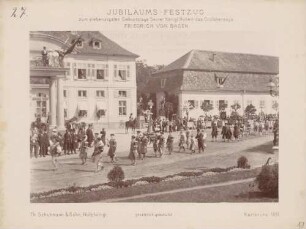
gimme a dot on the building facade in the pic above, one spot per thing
(95, 84)
(217, 78)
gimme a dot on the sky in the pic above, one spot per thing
(163, 47)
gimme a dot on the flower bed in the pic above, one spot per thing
(131, 183)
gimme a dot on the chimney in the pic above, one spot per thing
(213, 57)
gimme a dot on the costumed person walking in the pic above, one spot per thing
(236, 131)
(83, 151)
(155, 144)
(90, 135)
(161, 144)
(133, 150)
(182, 141)
(228, 132)
(170, 141)
(200, 138)
(187, 138)
(67, 142)
(55, 149)
(223, 132)
(214, 131)
(112, 148)
(144, 146)
(44, 143)
(97, 154)
(192, 144)
(103, 136)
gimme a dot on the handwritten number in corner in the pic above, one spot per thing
(19, 12)
(301, 225)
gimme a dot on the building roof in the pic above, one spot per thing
(201, 60)
(108, 47)
(235, 82)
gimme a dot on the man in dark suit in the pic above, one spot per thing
(90, 135)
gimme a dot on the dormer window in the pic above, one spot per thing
(220, 80)
(80, 44)
(96, 44)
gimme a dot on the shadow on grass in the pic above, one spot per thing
(264, 148)
(257, 195)
(45, 170)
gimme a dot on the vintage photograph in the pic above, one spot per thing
(120, 117)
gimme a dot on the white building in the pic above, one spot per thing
(216, 77)
(96, 85)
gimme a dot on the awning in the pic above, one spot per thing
(82, 106)
(101, 105)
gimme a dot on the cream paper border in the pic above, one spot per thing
(284, 19)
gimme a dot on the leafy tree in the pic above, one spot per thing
(116, 175)
(275, 106)
(250, 110)
(222, 106)
(236, 107)
(206, 107)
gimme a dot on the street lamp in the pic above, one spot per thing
(150, 104)
(274, 92)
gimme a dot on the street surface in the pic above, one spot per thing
(217, 154)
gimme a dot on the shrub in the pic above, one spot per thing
(242, 162)
(116, 175)
(267, 180)
(152, 179)
(190, 174)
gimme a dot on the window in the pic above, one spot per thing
(67, 65)
(100, 113)
(122, 107)
(100, 93)
(65, 93)
(101, 71)
(97, 44)
(162, 83)
(82, 93)
(222, 104)
(80, 44)
(82, 113)
(122, 94)
(262, 104)
(82, 73)
(65, 113)
(121, 72)
(41, 105)
(193, 104)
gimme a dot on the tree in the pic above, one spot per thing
(206, 107)
(234, 115)
(222, 106)
(236, 107)
(250, 110)
(275, 106)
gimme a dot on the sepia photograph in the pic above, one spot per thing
(120, 117)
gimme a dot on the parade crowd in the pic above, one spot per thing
(79, 138)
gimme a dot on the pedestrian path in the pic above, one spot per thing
(219, 154)
(179, 190)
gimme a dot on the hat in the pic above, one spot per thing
(112, 135)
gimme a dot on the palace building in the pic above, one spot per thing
(96, 83)
(216, 78)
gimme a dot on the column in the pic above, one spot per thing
(53, 102)
(180, 105)
(60, 104)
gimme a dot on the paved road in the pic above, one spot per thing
(218, 154)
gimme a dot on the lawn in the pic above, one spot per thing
(105, 195)
(229, 193)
